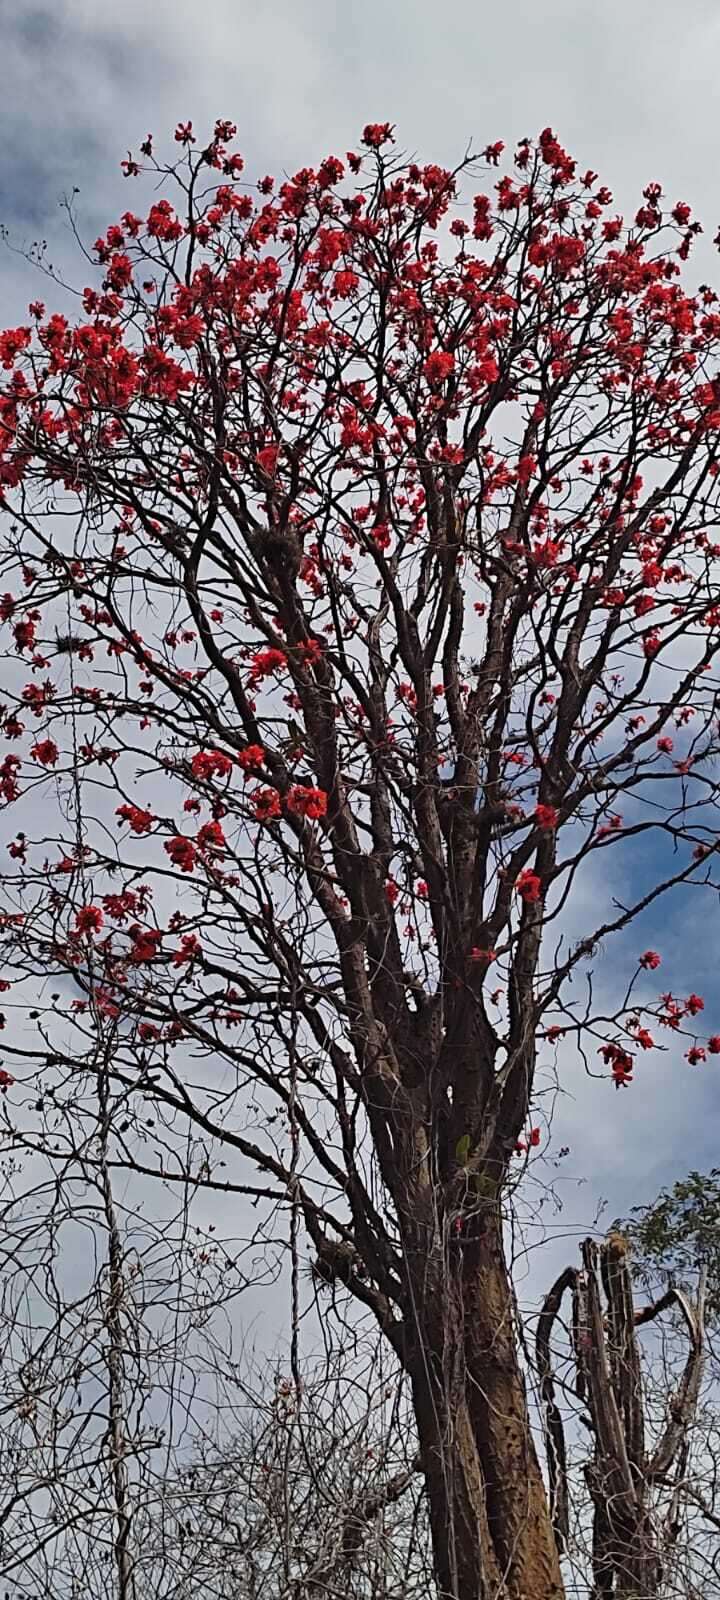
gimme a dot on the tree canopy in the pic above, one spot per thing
(360, 542)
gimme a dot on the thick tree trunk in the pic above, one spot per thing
(489, 1511)
(466, 1562)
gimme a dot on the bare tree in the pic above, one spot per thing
(636, 1486)
(145, 1451)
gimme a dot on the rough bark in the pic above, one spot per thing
(490, 1516)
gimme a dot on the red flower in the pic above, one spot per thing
(251, 758)
(650, 960)
(267, 459)
(310, 651)
(139, 820)
(46, 752)
(693, 1004)
(695, 1055)
(376, 134)
(528, 885)
(89, 919)
(6, 1081)
(620, 1063)
(266, 661)
(266, 804)
(438, 367)
(665, 744)
(181, 852)
(713, 1045)
(546, 817)
(534, 1137)
(476, 954)
(12, 342)
(210, 764)
(345, 283)
(120, 271)
(546, 552)
(392, 890)
(303, 802)
(210, 837)
(24, 634)
(145, 944)
(188, 949)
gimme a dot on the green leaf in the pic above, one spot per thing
(462, 1150)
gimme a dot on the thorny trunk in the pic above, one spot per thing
(489, 1512)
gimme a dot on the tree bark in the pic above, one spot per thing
(489, 1509)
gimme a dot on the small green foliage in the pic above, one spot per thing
(679, 1232)
(462, 1150)
(484, 1186)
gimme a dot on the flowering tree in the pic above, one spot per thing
(361, 596)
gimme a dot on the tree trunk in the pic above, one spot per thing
(489, 1511)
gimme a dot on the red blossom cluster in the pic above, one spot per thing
(266, 805)
(301, 800)
(182, 852)
(138, 819)
(209, 764)
(210, 838)
(529, 886)
(620, 1062)
(306, 802)
(531, 1143)
(252, 758)
(266, 662)
(45, 752)
(188, 950)
(145, 944)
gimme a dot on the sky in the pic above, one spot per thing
(631, 91)
(629, 88)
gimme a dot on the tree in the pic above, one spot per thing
(233, 1483)
(296, 1506)
(637, 1478)
(359, 536)
(678, 1232)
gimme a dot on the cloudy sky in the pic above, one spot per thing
(630, 89)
